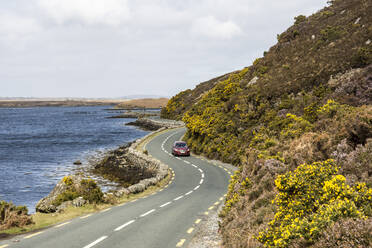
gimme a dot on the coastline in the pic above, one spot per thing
(56, 103)
(120, 196)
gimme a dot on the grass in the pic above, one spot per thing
(43, 220)
(303, 102)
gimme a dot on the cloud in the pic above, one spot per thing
(211, 27)
(98, 48)
(15, 28)
(108, 12)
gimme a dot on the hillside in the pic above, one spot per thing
(298, 124)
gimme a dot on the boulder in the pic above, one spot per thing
(121, 192)
(79, 202)
(63, 206)
(137, 188)
(253, 81)
(46, 204)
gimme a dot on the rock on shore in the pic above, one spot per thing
(126, 164)
(47, 204)
(155, 124)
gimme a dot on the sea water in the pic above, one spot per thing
(39, 145)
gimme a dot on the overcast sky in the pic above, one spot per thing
(113, 48)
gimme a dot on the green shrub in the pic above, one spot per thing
(67, 180)
(331, 33)
(310, 112)
(286, 66)
(67, 195)
(363, 57)
(232, 197)
(90, 191)
(13, 216)
(327, 13)
(329, 109)
(299, 19)
(296, 126)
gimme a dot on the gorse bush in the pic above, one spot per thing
(68, 195)
(67, 180)
(13, 216)
(311, 198)
(90, 191)
(86, 188)
(307, 100)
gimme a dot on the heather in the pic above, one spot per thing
(298, 125)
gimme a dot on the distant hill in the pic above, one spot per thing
(26, 103)
(144, 103)
(298, 125)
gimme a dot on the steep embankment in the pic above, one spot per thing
(298, 123)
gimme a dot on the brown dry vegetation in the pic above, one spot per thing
(13, 216)
(144, 103)
(307, 100)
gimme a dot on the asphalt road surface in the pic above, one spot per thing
(168, 218)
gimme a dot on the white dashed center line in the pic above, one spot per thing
(147, 213)
(182, 241)
(189, 192)
(124, 225)
(165, 204)
(96, 242)
(176, 199)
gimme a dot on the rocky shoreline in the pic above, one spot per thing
(132, 169)
(134, 114)
(155, 124)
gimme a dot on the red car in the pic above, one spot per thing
(180, 148)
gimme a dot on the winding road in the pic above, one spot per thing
(168, 218)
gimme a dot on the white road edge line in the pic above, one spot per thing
(147, 213)
(124, 225)
(165, 204)
(176, 199)
(189, 192)
(96, 242)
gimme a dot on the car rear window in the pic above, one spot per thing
(180, 144)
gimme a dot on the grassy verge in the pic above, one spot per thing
(42, 220)
(46, 220)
